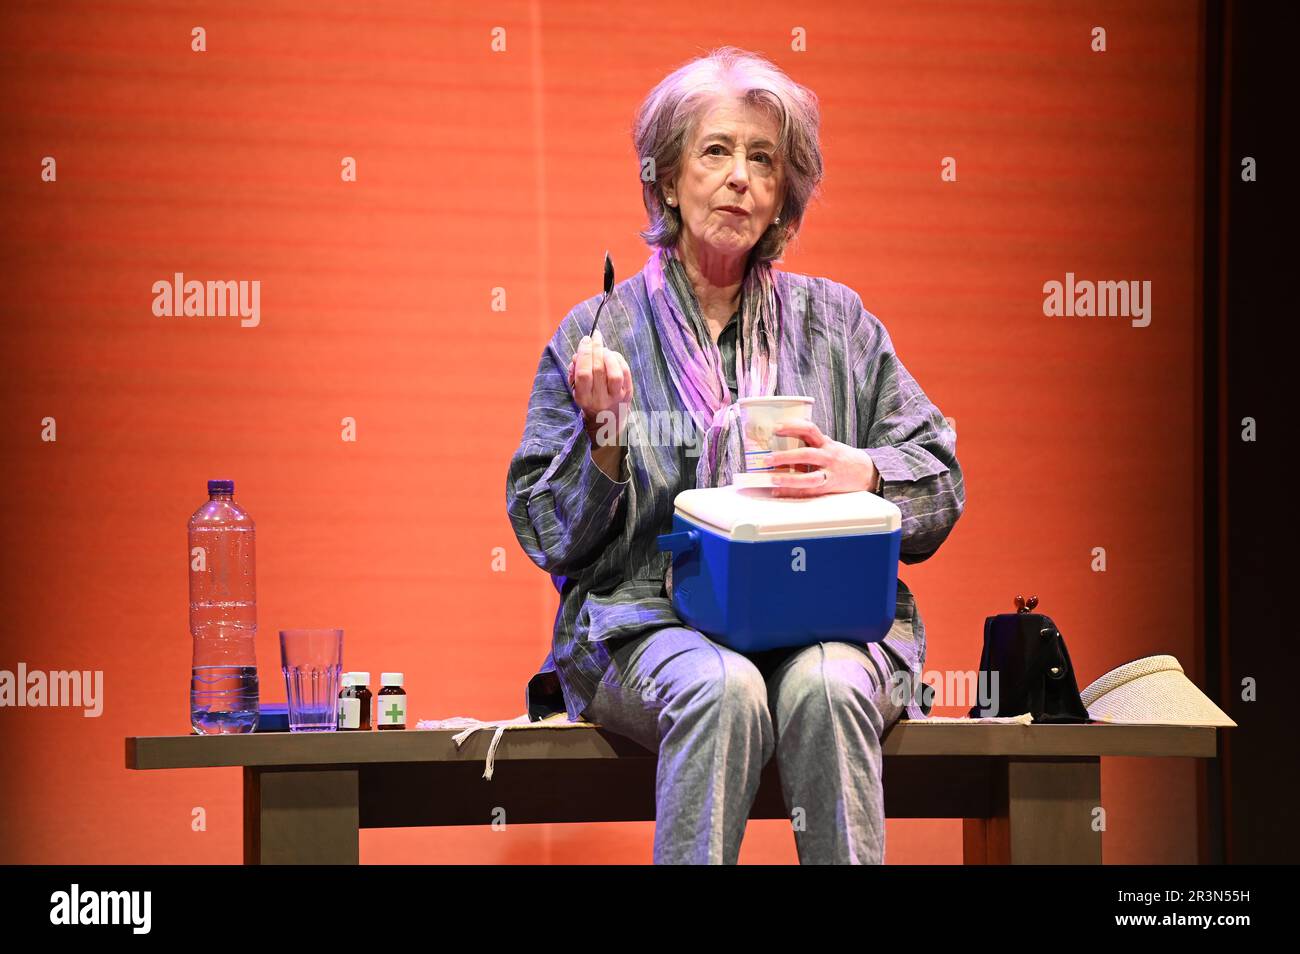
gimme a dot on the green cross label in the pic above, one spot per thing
(394, 711)
(349, 713)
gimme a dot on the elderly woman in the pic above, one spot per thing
(728, 145)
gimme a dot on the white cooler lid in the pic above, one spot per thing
(754, 514)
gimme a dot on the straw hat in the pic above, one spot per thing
(1152, 690)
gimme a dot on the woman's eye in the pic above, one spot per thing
(717, 149)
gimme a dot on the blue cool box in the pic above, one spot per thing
(273, 717)
(756, 572)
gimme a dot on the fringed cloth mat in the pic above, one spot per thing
(560, 720)
(557, 720)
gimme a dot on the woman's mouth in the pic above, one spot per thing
(732, 210)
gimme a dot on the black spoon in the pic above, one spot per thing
(609, 286)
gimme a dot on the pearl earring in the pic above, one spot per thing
(777, 220)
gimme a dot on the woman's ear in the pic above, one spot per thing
(669, 192)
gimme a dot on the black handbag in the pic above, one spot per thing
(1027, 652)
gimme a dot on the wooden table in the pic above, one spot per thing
(1027, 792)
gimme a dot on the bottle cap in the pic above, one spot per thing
(348, 679)
(221, 486)
(392, 679)
(361, 679)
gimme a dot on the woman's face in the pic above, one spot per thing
(729, 165)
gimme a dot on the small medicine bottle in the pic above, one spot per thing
(354, 702)
(391, 702)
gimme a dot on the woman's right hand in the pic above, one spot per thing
(602, 387)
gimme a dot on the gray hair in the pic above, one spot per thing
(668, 117)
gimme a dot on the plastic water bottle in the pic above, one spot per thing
(223, 615)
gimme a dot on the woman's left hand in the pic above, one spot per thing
(840, 468)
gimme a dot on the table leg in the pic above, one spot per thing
(1045, 812)
(300, 816)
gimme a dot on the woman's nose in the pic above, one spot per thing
(739, 175)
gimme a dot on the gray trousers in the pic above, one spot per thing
(715, 716)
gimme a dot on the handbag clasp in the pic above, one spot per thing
(1026, 606)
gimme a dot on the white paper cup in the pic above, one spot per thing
(759, 418)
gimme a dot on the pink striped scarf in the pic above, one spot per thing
(695, 363)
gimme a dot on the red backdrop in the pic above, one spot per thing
(480, 170)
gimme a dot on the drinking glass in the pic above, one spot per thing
(312, 661)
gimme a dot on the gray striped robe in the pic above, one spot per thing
(597, 536)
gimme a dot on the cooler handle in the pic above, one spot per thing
(680, 542)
